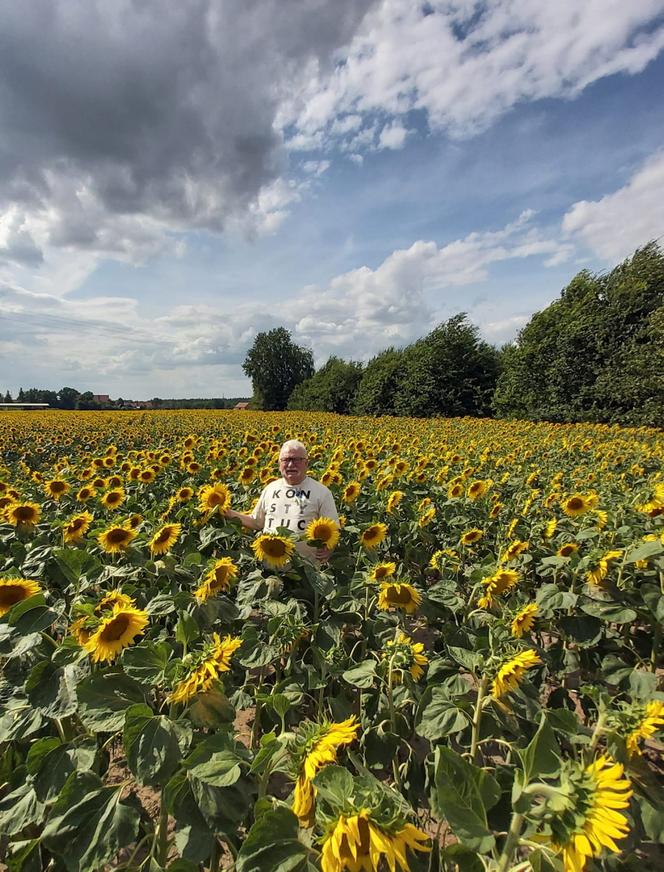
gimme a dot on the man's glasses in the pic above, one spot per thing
(293, 460)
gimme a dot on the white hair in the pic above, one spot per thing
(292, 445)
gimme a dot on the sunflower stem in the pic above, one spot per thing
(656, 642)
(597, 734)
(162, 833)
(511, 842)
(477, 718)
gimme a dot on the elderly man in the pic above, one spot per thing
(293, 501)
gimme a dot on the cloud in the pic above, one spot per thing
(614, 226)
(123, 122)
(355, 315)
(465, 63)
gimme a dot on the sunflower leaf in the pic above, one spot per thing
(103, 699)
(272, 845)
(462, 795)
(151, 745)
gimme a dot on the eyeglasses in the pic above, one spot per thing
(292, 460)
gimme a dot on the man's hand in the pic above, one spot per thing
(323, 554)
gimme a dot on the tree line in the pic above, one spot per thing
(595, 354)
(71, 398)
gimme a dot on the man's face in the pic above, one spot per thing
(293, 466)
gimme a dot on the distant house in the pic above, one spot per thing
(241, 406)
(101, 398)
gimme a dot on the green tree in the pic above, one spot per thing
(594, 354)
(276, 365)
(331, 389)
(451, 372)
(377, 391)
(67, 398)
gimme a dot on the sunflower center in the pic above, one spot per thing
(11, 594)
(401, 596)
(115, 629)
(575, 504)
(117, 536)
(162, 536)
(24, 513)
(274, 547)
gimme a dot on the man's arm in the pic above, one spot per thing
(246, 520)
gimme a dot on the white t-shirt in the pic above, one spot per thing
(294, 506)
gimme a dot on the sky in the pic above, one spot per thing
(178, 177)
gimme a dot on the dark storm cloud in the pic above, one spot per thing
(152, 108)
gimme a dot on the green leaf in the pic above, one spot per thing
(52, 690)
(542, 756)
(104, 697)
(549, 598)
(26, 617)
(161, 605)
(441, 716)
(89, 824)
(20, 808)
(50, 763)
(147, 662)
(361, 675)
(151, 745)
(644, 551)
(583, 629)
(642, 685)
(615, 613)
(334, 785)
(24, 856)
(272, 845)
(217, 761)
(72, 562)
(212, 709)
(470, 660)
(186, 629)
(463, 794)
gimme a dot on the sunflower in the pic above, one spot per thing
(351, 492)
(650, 721)
(113, 498)
(398, 595)
(394, 500)
(184, 494)
(402, 654)
(85, 493)
(372, 536)
(382, 570)
(218, 579)
(115, 632)
(56, 488)
(550, 528)
(111, 599)
(15, 590)
(494, 585)
(577, 504)
(323, 530)
(76, 527)
(514, 550)
(454, 491)
(116, 538)
(567, 549)
(214, 498)
(426, 517)
(164, 539)
(356, 842)
(591, 820)
(273, 550)
(477, 489)
(470, 537)
(600, 570)
(319, 744)
(205, 669)
(147, 476)
(524, 620)
(23, 515)
(247, 475)
(510, 674)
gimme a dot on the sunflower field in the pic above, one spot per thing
(473, 681)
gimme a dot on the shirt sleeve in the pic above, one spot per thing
(327, 506)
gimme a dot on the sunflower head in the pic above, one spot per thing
(351, 492)
(115, 631)
(324, 531)
(394, 500)
(273, 550)
(56, 488)
(15, 590)
(202, 669)
(218, 580)
(372, 536)
(214, 498)
(22, 514)
(471, 537)
(379, 571)
(76, 527)
(164, 539)
(512, 672)
(398, 595)
(402, 655)
(116, 538)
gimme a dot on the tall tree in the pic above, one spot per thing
(276, 365)
(67, 398)
(331, 389)
(377, 390)
(596, 353)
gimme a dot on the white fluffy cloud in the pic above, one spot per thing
(355, 315)
(614, 226)
(465, 63)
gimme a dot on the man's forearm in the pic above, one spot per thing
(246, 520)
